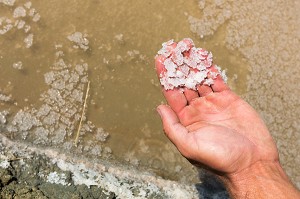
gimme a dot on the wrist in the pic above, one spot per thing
(260, 180)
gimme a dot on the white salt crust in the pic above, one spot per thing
(80, 40)
(18, 21)
(186, 66)
(250, 28)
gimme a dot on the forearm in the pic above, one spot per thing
(262, 180)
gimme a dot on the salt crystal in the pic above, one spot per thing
(51, 119)
(219, 2)
(184, 69)
(5, 98)
(165, 51)
(213, 75)
(74, 78)
(107, 150)
(18, 65)
(28, 5)
(80, 40)
(24, 121)
(3, 115)
(222, 73)
(41, 135)
(210, 58)
(177, 57)
(190, 83)
(27, 28)
(170, 66)
(179, 74)
(119, 37)
(4, 164)
(57, 178)
(19, 12)
(168, 43)
(101, 135)
(77, 95)
(8, 2)
(36, 17)
(57, 46)
(200, 76)
(186, 66)
(96, 150)
(80, 69)
(60, 134)
(32, 11)
(20, 24)
(209, 82)
(201, 66)
(43, 110)
(6, 25)
(28, 40)
(49, 77)
(182, 46)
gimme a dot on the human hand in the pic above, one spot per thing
(215, 128)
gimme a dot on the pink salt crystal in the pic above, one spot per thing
(186, 66)
(189, 42)
(182, 47)
(177, 57)
(208, 81)
(184, 69)
(200, 76)
(166, 48)
(190, 83)
(213, 75)
(201, 66)
(179, 74)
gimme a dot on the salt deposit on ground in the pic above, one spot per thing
(19, 13)
(267, 35)
(5, 25)
(80, 40)
(4, 98)
(3, 115)
(57, 178)
(28, 41)
(8, 2)
(56, 120)
(18, 65)
(127, 59)
(187, 66)
(215, 13)
(4, 164)
(119, 180)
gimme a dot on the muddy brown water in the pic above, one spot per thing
(124, 37)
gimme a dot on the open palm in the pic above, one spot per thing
(215, 128)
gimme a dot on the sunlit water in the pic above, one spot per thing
(123, 37)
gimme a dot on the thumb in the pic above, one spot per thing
(174, 130)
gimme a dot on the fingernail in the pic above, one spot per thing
(159, 111)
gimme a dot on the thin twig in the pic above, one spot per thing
(82, 114)
(15, 159)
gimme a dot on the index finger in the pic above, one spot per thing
(175, 97)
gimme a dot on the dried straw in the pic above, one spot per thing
(82, 114)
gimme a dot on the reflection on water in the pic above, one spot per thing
(51, 49)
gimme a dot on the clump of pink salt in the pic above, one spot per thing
(187, 66)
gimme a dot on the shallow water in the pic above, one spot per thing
(124, 89)
(123, 38)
